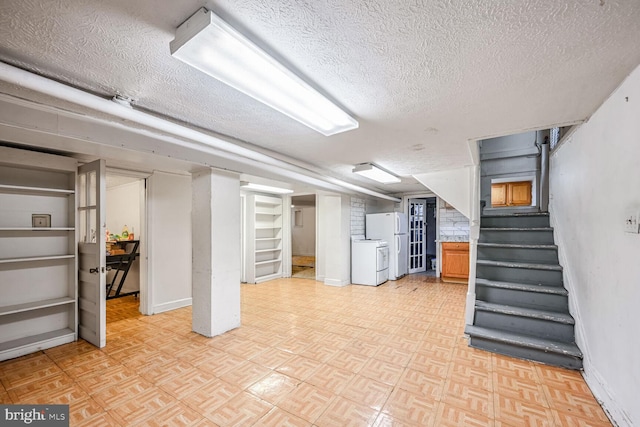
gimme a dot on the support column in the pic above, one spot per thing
(335, 241)
(216, 251)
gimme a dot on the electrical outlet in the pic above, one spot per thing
(631, 224)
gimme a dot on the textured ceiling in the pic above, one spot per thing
(422, 77)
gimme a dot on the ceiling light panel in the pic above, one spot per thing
(208, 43)
(264, 188)
(376, 173)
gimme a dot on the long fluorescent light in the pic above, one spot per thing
(264, 188)
(376, 173)
(208, 43)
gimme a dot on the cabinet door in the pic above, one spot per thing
(498, 195)
(455, 260)
(511, 194)
(519, 193)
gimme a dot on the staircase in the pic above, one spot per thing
(521, 305)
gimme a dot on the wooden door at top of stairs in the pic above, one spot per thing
(92, 253)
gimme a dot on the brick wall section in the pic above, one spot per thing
(358, 207)
(453, 225)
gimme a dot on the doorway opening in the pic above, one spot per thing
(422, 236)
(125, 222)
(303, 236)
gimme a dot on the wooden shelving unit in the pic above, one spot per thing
(264, 238)
(38, 265)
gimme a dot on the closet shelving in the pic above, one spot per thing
(38, 265)
(264, 235)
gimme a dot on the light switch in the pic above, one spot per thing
(631, 224)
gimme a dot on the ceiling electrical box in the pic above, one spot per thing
(631, 224)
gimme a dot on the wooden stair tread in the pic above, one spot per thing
(553, 316)
(516, 246)
(511, 264)
(522, 214)
(543, 289)
(522, 340)
(516, 228)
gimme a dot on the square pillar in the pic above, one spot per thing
(216, 251)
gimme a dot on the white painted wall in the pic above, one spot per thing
(333, 257)
(453, 186)
(303, 237)
(594, 182)
(123, 208)
(169, 229)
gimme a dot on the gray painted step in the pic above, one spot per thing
(517, 235)
(541, 254)
(528, 220)
(529, 321)
(567, 355)
(554, 298)
(518, 272)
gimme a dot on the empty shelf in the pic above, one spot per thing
(35, 305)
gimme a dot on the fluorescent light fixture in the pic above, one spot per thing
(208, 43)
(371, 171)
(264, 188)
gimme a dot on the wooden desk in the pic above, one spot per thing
(121, 263)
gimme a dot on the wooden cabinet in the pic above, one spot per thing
(264, 238)
(38, 252)
(511, 194)
(455, 262)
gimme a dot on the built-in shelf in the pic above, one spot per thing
(35, 258)
(271, 261)
(38, 265)
(270, 213)
(264, 238)
(269, 201)
(35, 305)
(37, 228)
(39, 341)
(21, 189)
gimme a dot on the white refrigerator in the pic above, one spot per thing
(392, 228)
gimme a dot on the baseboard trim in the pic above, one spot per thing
(604, 396)
(336, 282)
(172, 305)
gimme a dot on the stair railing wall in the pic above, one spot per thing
(474, 235)
(544, 177)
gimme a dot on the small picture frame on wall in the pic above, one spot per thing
(41, 220)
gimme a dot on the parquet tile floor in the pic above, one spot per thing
(306, 355)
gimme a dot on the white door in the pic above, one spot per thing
(417, 235)
(91, 249)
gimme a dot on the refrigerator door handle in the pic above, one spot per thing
(398, 243)
(397, 224)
